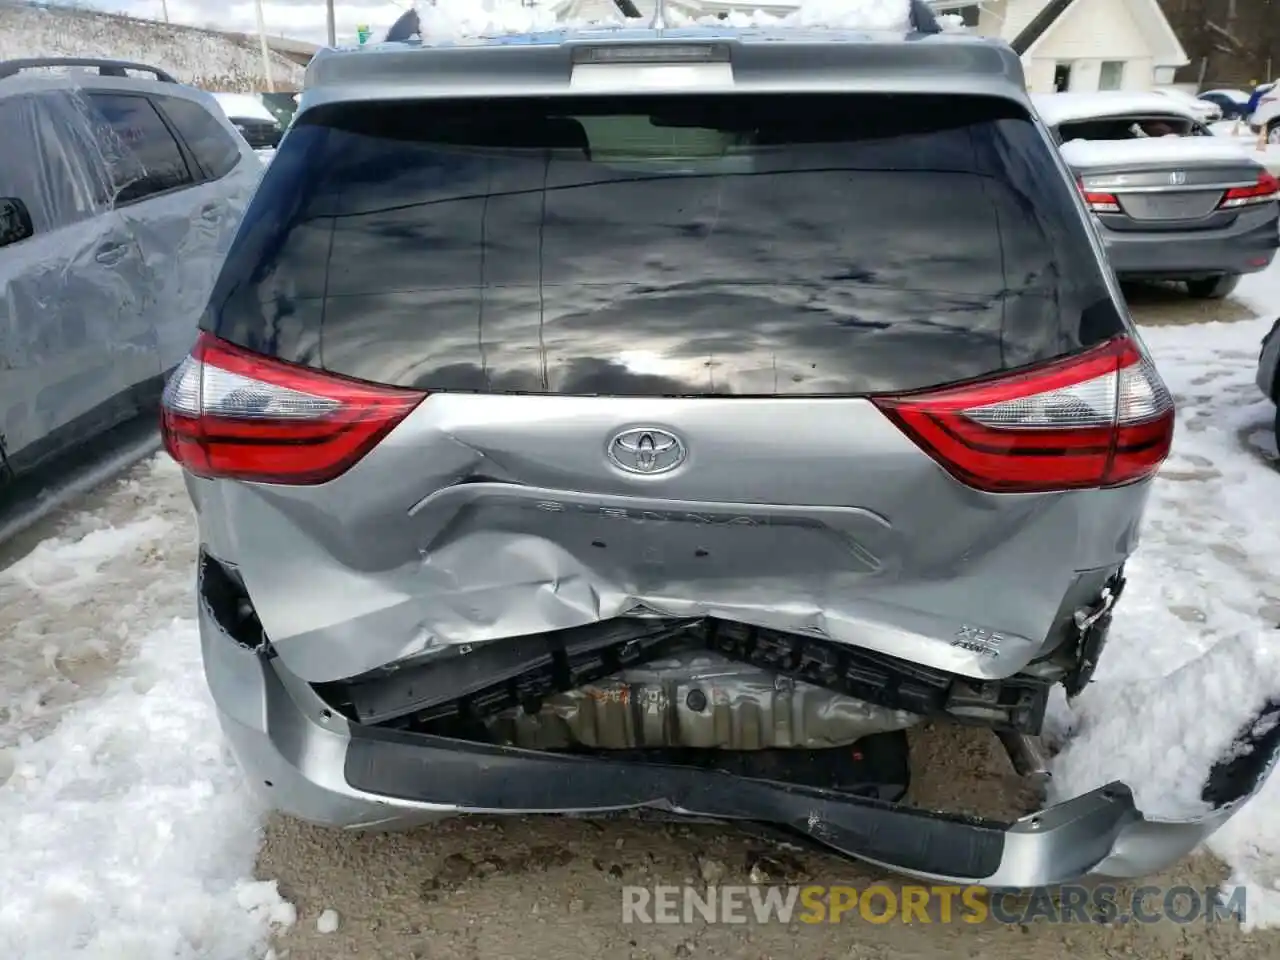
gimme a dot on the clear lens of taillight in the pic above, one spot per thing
(228, 412)
(1264, 191)
(1099, 202)
(1102, 418)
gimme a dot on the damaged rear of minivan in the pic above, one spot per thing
(585, 451)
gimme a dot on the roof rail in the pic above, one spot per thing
(923, 19)
(106, 68)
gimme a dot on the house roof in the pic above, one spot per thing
(1147, 14)
(1039, 25)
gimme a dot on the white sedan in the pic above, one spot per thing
(1205, 110)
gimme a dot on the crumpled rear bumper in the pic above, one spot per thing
(311, 763)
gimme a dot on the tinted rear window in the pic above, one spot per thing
(1131, 128)
(214, 149)
(661, 245)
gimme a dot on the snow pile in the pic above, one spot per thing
(192, 55)
(1194, 651)
(1240, 134)
(457, 19)
(871, 15)
(1270, 157)
(1173, 149)
(1236, 129)
(327, 922)
(71, 609)
(450, 19)
(125, 829)
(952, 23)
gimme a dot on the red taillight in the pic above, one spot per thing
(228, 412)
(1099, 202)
(1264, 191)
(1099, 419)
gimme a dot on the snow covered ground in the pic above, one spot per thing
(126, 832)
(1195, 648)
(1269, 155)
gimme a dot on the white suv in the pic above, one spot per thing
(1267, 116)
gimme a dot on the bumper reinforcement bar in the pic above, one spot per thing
(457, 690)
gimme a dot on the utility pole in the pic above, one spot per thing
(333, 27)
(262, 42)
(164, 6)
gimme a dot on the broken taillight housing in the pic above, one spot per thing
(1101, 418)
(229, 412)
(1265, 190)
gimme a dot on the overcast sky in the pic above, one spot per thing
(301, 19)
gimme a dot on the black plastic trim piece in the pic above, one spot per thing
(483, 777)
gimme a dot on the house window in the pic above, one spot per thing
(1062, 78)
(1112, 75)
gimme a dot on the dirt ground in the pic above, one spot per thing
(1167, 304)
(484, 888)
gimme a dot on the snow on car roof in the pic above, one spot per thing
(1058, 108)
(1239, 96)
(1096, 153)
(450, 21)
(243, 105)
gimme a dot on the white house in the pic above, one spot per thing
(1069, 44)
(1082, 44)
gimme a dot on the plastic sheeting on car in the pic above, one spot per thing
(69, 293)
(700, 699)
(104, 296)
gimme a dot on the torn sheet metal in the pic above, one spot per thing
(105, 293)
(695, 698)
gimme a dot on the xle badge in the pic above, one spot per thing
(978, 640)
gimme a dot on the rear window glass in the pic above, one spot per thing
(664, 245)
(1133, 127)
(214, 148)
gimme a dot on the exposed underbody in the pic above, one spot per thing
(792, 736)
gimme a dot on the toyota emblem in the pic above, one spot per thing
(646, 450)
